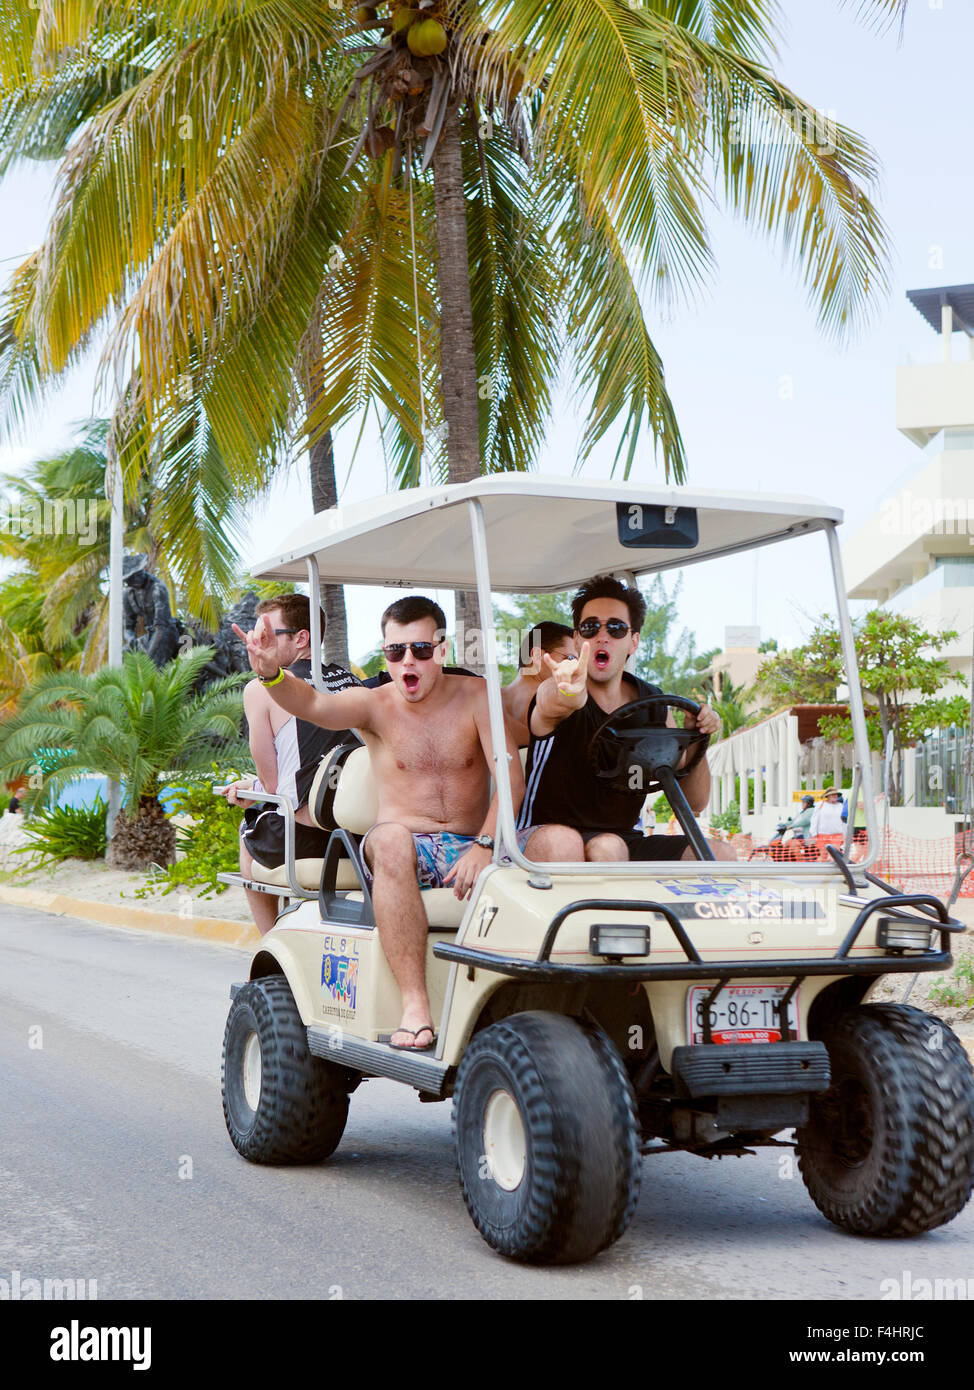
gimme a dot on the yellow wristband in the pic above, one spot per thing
(275, 680)
(570, 694)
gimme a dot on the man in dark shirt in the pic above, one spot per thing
(577, 815)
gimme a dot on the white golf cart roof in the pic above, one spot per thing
(543, 533)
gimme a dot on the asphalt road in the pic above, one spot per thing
(115, 1166)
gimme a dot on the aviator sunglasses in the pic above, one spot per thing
(422, 651)
(591, 627)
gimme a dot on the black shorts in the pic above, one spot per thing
(641, 847)
(262, 835)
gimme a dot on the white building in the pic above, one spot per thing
(916, 555)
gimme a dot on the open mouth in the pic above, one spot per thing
(411, 681)
(600, 660)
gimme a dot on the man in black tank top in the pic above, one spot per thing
(286, 753)
(576, 815)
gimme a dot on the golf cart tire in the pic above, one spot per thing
(889, 1148)
(581, 1170)
(300, 1112)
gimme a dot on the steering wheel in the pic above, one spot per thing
(614, 750)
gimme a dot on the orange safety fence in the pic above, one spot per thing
(909, 863)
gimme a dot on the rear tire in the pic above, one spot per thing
(889, 1148)
(281, 1104)
(547, 1140)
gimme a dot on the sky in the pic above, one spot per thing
(766, 402)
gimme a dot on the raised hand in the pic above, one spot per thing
(261, 647)
(570, 676)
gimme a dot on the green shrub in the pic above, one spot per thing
(209, 846)
(958, 989)
(729, 820)
(662, 809)
(66, 832)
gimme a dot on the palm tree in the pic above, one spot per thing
(134, 725)
(506, 179)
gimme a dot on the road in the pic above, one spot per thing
(115, 1166)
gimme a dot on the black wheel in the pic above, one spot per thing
(889, 1148)
(547, 1140)
(281, 1104)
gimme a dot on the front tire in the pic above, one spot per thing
(281, 1104)
(889, 1148)
(547, 1140)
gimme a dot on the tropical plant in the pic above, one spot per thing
(66, 832)
(895, 657)
(296, 212)
(133, 724)
(209, 844)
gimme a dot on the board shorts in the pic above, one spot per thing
(437, 852)
(262, 836)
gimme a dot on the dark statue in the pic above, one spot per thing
(145, 604)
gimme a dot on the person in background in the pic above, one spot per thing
(555, 639)
(827, 818)
(800, 824)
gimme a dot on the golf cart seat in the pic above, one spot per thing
(321, 798)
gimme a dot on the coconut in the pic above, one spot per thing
(402, 18)
(427, 38)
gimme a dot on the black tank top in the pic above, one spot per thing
(562, 789)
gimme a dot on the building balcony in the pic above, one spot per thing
(930, 518)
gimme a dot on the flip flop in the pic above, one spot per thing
(413, 1033)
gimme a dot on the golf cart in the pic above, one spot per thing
(587, 1015)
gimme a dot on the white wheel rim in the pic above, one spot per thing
(251, 1071)
(505, 1145)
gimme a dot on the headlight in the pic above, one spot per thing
(604, 940)
(894, 935)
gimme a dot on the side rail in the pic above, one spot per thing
(287, 811)
(902, 933)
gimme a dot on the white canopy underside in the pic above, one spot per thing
(543, 533)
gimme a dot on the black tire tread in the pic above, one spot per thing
(580, 1114)
(303, 1103)
(927, 1174)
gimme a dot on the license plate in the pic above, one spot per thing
(741, 1014)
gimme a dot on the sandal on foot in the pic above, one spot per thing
(413, 1033)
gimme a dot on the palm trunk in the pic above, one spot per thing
(324, 494)
(458, 364)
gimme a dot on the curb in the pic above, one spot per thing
(220, 929)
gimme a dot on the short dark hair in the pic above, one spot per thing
(605, 586)
(545, 635)
(295, 610)
(412, 610)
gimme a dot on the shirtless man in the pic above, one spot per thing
(574, 815)
(558, 640)
(428, 736)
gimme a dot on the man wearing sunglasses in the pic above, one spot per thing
(428, 736)
(571, 813)
(286, 754)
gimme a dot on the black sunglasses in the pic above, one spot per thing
(422, 651)
(591, 627)
(286, 631)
